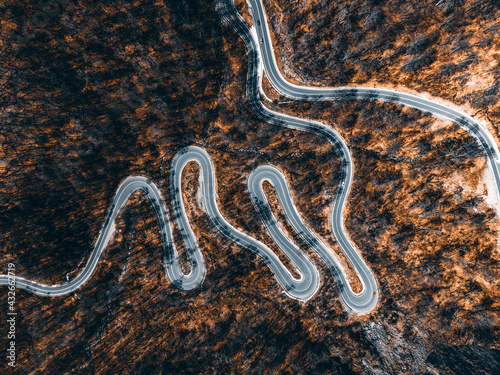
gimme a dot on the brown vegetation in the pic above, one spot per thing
(415, 211)
(447, 49)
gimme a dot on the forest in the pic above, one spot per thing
(94, 92)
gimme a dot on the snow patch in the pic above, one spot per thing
(492, 198)
(260, 70)
(110, 233)
(199, 193)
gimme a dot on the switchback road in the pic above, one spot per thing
(261, 57)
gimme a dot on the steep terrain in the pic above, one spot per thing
(101, 92)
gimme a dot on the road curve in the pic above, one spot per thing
(286, 88)
(366, 300)
(306, 285)
(360, 302)
(302, 288)
(261, 57)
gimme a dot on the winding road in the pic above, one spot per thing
(261, 57)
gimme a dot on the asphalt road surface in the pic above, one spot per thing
(475, 127)
(301, 288)
(364, 301)
(261, 57)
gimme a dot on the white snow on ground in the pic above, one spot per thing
(261, 66)
(199, 193)
(492, 198)
(111, 232)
